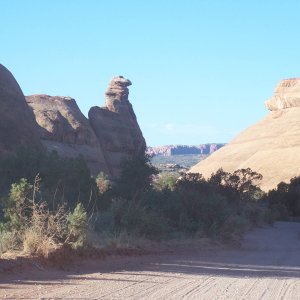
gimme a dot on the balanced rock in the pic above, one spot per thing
(116, 126)
(270, 147)
(116, 96)
(17, 123)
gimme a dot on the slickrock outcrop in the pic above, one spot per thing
(270, 147)
(17, 124)
(64, 128)
(169, 150)
(116, 125)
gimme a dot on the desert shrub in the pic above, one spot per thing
(45, 230)
(284, 201)
(239, 186)
(103, 221)
(64, 180)
(9, 240)
(135, 218)
(77, 226)
(103, 183)
(202, 204)
(17, 204)
(31, 225)
(136, 177)
(233, 228)
(164, 181)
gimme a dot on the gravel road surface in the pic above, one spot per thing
(267, 266)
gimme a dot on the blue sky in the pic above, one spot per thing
(201, 70)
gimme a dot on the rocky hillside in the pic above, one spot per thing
(110, 135)
(205, 149)
(270, 147)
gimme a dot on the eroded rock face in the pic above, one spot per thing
(64, 128)
(111, 135)
(116, 96)
(270, 147)
(286, 95)
(116, 125)
(17, 124)
(61, 120)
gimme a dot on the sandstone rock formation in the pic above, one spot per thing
(169, 150)
(64, 128)
(111, 135)
(17, 124)
(116, 125)
(270, 147)
(286, 95)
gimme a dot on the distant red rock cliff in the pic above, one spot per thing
(205, 149)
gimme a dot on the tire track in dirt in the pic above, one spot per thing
(267, 266)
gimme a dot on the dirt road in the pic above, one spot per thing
(266, 267)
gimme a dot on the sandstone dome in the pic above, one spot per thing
(17, 124)
(270, 147)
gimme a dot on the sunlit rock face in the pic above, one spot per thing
(116, 126)
(270, 147)
(17, 123)
(286, 95)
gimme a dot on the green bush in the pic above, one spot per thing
(165, 181)
(64, 180)
(17, 205)
(136, 218)
(77, 226)
(136, 177)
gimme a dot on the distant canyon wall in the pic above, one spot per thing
(205, 149)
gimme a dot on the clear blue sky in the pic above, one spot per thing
(201, 69)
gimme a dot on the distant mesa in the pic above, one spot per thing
(110, 134)
(169, 150)
(270, 147)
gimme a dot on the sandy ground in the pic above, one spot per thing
(267, 266)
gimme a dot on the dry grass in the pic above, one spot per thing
(8, 241)
(45, 230)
